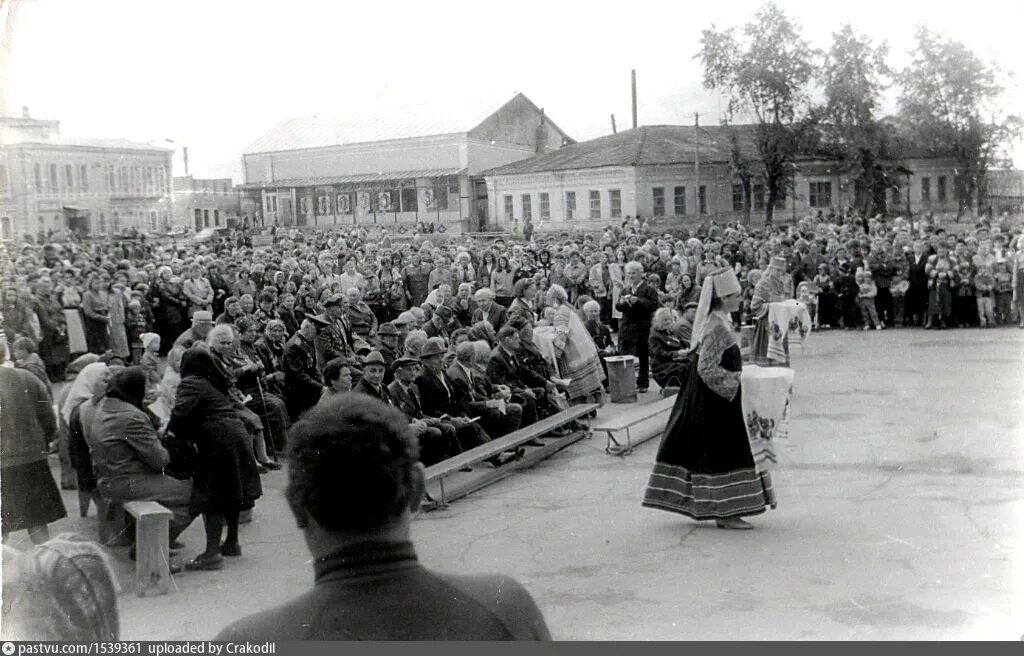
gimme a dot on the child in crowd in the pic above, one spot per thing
(984, 295)
(898, 289)
(25, 357)
(1004, 293)
(807, 294)
(866, 292)
(151, 358)
(137, 325)
(826, 298)
(965, 309)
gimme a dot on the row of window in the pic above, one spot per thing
(133, 217)
(202, 218)
(442, 196)
(544, 205)
(128, 179)
(678, 200)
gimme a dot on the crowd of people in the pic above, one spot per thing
(195, 364)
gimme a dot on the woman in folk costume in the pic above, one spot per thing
(705, 468)
(775, 285)
(578, 359)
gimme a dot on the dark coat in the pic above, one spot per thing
(496, 315)
(381, 393)
(379, 591)
(431, 387)
(636, 317)
(302, 379)
(504, 369)
(409, 403)
(663, 345)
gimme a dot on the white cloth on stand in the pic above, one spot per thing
(766, 393)
(785, 317)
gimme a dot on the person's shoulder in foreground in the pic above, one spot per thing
(369, 583)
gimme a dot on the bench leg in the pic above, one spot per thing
(442, 503)
(152, 566)
(629, 442)
(614, 447)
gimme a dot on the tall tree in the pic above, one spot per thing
(853, 76)
(950, 99)
(764, 70)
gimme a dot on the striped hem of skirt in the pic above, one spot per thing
(738, 493)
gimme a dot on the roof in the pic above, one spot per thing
(81, 142)
(387, 121)
(642, 146)
(356, 178)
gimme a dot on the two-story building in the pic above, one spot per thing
(387, 171)
(679, 173)
(206, 203)
(52, 183)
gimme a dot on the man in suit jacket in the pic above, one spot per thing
(433, 384)
(302, 380)
(437, 444)
(369, 584)
(474, 395)
(528, 387)
(439, 323)
(917, 292)
(489, 311)
(637, 303)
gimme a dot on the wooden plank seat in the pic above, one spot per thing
(446, 468)
(625, 420)
(152, 564)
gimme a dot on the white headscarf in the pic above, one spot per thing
(718, 284)
(81, 388)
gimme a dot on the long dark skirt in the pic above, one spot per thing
(97, 338)
(225, 478)
(705, 468)
(29, 496)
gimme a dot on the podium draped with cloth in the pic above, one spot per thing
(766, 396)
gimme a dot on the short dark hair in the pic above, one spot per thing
(352, 464)
(333, 369)
(506, 332)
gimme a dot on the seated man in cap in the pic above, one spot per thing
(338, 340)
(528, 387)
(405, 396)
(439, 323)
(474, 395)
(406, 322)
(354, 485)
(202, 323)
(390, 347)
(303, 382)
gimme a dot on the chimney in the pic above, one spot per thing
(633, 74)
(541, 135)
(24, 111)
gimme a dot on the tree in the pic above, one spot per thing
(949, 100)
(765, 72)
(853, 76)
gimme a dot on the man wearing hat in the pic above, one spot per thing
(439, 323)
(685, 328)
(372, 382)
(405, 322)
(390, 347)
(488, 310)
(337, 340)
(303, 382)
(437, 443)
(202, 323)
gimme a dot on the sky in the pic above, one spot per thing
(214, 75)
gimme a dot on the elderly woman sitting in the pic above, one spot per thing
(669, 358)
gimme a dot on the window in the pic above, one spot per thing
(38, 175)
(758, 194)
(103, 223)
(679, 194)
(83, 177)
(5, 228)
(152, 220)
(3, 178)
(819, 194)
(137, 177)
(410, 201)
(453, 194)
(942, 189)
(570, 205)
(926, 189)
(896, 199)
(206, 218)
(527, 207)
(702, 199)
(69, 176)
(595, 204)
(659, 201)
(780, 202)
(216, 217)
(122, 179)
(116, 223)
(737, 198)
(111, 179)
(151, 179)
(323, 205)
(508, 207)
(344, 203)
(615, 202)
(161, 179)
(545, 206)
(54, 180)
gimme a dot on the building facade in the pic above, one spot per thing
(52, 184)
(681, 173)
(206, 203)
(307, 172)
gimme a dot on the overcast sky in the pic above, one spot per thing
(214, 75)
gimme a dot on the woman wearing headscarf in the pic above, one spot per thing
(171, 319)
(775, 285)
(94, 377)
(63, 589)
(256, 382)
(704, 468)
(225, 481)
(578, 359)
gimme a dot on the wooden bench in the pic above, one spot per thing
(152, 565)
(442, 470)
(624, 421)
(112, 529)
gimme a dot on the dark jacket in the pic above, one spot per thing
(431, 387)
(302, 379)
(27, 423)
(469, 399)
(496, 316)
(504, 369)
(663, 345)
(636, 317)
(126, 448)
(379, 591)
(380, 393)
(407, 402)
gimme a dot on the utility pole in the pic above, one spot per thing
(696, 158)
(634, 98)
(613, 124)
